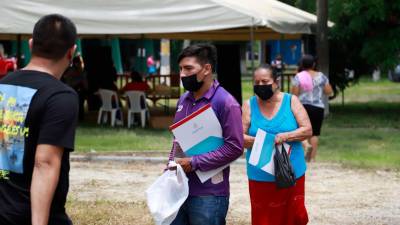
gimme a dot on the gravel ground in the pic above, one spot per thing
(334, 195)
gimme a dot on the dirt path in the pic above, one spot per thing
(334, 195)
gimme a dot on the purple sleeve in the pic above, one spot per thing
(232, 148)
(172, 152)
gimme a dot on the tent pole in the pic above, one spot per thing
(252, 45)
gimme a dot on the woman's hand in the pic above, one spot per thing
(281, 137)
(248, 141)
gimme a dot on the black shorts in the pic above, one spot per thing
(316, 115)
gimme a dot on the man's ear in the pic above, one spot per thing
(208, 68)
(30, 43)
(71, 52)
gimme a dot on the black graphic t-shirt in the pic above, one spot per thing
(35, 108)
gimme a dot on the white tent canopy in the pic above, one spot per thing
(156, 16)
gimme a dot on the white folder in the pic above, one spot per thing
(199, 133)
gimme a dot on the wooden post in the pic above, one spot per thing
(322, 42)
(252, 46)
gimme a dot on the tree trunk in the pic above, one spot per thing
(322, 36)
(322, 41)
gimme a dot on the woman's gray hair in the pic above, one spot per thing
(275, 75)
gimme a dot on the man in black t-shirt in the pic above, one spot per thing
(38, 116)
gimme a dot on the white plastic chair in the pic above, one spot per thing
(135, 106)
(107, 99)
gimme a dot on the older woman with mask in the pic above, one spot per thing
(283, 116)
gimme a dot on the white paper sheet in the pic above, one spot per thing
(263, 148)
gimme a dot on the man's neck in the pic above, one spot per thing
(206, 86)
(45, 66)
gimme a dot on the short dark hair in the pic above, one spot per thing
(204, 53)
(307, 62)
(52, 36)
(136, 77)
(265, 66)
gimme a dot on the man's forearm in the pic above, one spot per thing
(221, 156)
(44, 182)
(233, 142)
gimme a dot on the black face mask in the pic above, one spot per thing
(264, 91)
(190, 83)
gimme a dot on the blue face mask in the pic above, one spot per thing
(190, 83)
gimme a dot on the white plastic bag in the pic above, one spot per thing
(167, 194)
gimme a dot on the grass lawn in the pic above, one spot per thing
(107, 139)
(362, 135)
(107, 212)
(365, 132)
(368, 91)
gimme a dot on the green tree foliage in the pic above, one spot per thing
(366, 35)
(306, 5)
(289, 2)
(369, 28)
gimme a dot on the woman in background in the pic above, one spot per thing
(311, 86)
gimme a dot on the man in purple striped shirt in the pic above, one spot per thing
(208, 202)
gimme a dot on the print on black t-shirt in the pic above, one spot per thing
(14, 105)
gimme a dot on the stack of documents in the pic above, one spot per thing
(199, 133)
(263, 151)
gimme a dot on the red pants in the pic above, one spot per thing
(273, 206)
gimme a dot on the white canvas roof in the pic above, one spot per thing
(156, 16)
